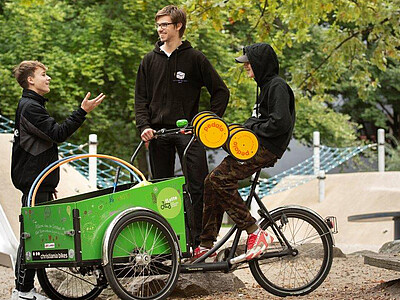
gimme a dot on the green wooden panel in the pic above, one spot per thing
(48, 227)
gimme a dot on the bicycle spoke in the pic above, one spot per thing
(300, 271)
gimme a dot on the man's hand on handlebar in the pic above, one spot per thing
(147, 134)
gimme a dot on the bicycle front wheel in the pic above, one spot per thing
(144, 261)
(301, 273)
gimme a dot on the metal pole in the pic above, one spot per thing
(316, 142)
(381, 150)
(93, 160)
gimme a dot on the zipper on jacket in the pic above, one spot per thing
(164, 100)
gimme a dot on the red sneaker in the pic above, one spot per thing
(257, 244)
(200, 251)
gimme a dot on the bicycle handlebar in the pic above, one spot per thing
(164, 132)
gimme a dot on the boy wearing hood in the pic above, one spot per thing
(168, 85)
(273, 122)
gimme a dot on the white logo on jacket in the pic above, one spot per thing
(180, 75)
(255, 109)
(16, 134)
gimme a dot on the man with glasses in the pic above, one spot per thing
(168, 85)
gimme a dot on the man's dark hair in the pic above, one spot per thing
(177, 16)
(25, 69)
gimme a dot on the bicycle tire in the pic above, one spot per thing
(137, 270)
(69, 284)
(303, 273)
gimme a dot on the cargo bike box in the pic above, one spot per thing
(72, 229)
(80, 244)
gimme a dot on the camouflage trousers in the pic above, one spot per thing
(221, 194)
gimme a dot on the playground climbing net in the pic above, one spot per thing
(330, 158)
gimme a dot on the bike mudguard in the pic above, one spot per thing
(278, 209)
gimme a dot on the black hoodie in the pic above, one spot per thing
(168, 88)
(274, 113)
(36, 135)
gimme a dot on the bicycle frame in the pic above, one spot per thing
(200, 265)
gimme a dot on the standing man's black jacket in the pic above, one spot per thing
(168, 88)
(36, 135)
(274, 113)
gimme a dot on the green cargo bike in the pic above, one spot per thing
(136, 238)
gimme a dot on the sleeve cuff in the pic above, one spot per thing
(82, 111)
(141, 129)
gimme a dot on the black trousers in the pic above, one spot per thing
(162, 161)
(24, 278)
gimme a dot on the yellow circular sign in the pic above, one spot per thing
(243, 144)
(200, 121)
(197, 117)
(233, 130)
(234, 125)
(213, 132)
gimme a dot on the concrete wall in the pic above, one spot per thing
(346, 195)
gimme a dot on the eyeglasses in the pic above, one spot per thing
(163, 25)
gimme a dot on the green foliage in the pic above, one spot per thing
(91, 46)
(392, 155)
(335, 129)
(381, 108)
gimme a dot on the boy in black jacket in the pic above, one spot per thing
(36, 135)
(168, 85)
(273, 122)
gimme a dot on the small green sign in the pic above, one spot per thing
(169, 202)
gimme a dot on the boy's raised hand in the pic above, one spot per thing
(89, 104)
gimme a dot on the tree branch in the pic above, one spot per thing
(386, 111)
(205, 9)
(328, 57)
(367, 30)
(262, 14)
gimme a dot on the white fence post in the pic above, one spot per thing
(321, 181)
(93, 160)
(316, 141)
(381, 150)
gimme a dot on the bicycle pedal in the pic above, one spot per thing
(238, 259)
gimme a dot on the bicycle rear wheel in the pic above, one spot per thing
(295, 274)
(79, 283)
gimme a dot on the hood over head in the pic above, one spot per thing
(263, 61)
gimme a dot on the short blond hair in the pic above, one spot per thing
(25, 69)
(177, 16)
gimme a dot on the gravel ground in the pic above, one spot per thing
(349, 279)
